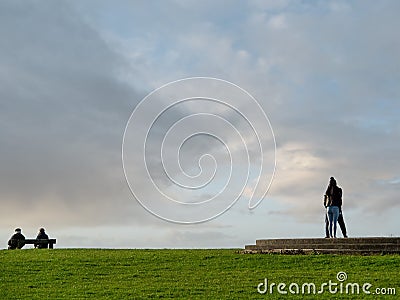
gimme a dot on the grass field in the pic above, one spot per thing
(186, 274)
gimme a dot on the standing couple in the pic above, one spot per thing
(333, 205)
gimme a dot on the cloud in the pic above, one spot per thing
(325, 73)
(63, 114)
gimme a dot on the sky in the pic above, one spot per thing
(325, 73)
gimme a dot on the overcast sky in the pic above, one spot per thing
(326, 74)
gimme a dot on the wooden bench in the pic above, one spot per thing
(50, 242)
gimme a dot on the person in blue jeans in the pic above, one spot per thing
(340, 219)
(333, 201)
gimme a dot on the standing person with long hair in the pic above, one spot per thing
(340, 218)
(333, 203)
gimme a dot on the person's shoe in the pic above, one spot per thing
(345, 236)
(327, 237)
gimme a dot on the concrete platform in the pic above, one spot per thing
(357, 245)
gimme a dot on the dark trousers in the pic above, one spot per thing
(341, 224)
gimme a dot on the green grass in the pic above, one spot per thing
(184, 274)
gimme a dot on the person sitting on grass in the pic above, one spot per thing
(17, 240)
(42, 236)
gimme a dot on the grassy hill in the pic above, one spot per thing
(187, 274)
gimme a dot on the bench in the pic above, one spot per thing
(51, 242)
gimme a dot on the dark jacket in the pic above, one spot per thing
(16, 241)
(333, 196)
(42, 236)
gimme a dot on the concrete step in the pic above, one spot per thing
(357, 245)
(319, 251)
(378, 247)
(355, 240)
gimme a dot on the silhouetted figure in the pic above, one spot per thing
(333, 204)
(17, 240)
(340, 219)
(42, 236)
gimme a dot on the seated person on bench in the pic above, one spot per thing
(17, 240)
(42, 236)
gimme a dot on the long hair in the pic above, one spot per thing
(331, 187)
